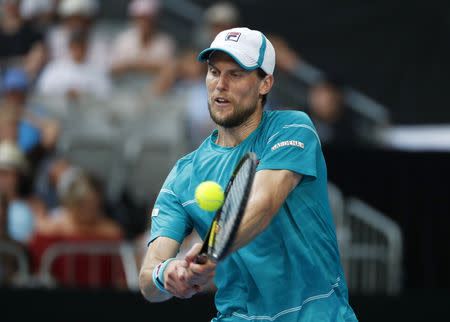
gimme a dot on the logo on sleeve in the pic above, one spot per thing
(155, 212)
(288, 143)
(233, 36)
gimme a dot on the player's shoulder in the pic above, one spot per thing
(285, 117)
(181, 167)
(279, 119)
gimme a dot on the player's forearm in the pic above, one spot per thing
(148, 288)
(256, 219)
(269, 191)
(159, 250)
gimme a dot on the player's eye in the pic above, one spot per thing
(213, 71)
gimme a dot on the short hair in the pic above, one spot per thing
(261, 75)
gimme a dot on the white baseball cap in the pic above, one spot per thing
(249, 48)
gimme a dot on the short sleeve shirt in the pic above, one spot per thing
(292, 270)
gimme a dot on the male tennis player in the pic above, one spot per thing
(285, 265)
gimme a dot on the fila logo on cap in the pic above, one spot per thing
(233, 36)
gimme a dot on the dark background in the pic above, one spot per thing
(412, 188)
(395, 51)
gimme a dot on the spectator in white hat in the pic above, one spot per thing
(78, 15)
(39, 13)
(75, 75)
(142, 48)
(217, 17)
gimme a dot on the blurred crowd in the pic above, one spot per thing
(52, 48)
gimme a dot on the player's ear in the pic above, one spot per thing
(266, 84)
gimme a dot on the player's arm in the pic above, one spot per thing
(269, 191)
(160, 250)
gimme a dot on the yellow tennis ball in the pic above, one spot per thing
(209, 195)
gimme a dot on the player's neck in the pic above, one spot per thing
(231, 137)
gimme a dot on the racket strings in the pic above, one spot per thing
(231, 206)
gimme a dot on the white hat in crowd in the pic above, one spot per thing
(250, 48)
(11, 158)
(78, 7)
(32, 8)
(223, 13)
(143, 8)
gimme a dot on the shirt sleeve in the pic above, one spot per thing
(168, 218)
(292, 145)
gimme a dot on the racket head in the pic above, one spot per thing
(227, 219)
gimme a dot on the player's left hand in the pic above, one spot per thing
(198, 274)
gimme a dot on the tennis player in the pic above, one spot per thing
(285, 265)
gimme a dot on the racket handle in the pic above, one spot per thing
(201, 258)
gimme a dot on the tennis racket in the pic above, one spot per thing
(226, 221)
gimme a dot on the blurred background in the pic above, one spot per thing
(99, 98)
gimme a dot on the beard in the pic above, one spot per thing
(239, 116)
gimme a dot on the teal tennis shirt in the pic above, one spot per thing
(292, 270)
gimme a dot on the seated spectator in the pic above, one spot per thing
(217, 17)
(334, 123)
(81, 214)
(38, 13)
(15, 86)
(142, 48)
(13, 168)
(78, 15)
(51, 175)
(37, 131)
(8, 124)
(75, 75)
(79, 220)
(20, 44)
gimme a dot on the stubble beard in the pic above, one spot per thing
(239, 116)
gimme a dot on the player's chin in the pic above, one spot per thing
(221, 115)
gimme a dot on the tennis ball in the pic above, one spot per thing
(209, 195)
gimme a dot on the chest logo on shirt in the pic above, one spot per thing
(287, 143)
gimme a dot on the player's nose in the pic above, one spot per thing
(222, 83)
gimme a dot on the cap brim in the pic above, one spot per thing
(204, 55)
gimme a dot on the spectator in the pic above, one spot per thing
(8, 124)
(13, 169)
(78, 15)
(51, 174)
(79, 220)
(81, 214)
(75, 75)
(142, 48)
(39, 13)
(37, 133)
(219, 16)
(20, 44)
(335, 124)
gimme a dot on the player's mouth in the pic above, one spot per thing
(221, 102)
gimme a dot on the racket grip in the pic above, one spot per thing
(201, 258)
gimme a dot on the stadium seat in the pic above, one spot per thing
(84, 262)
